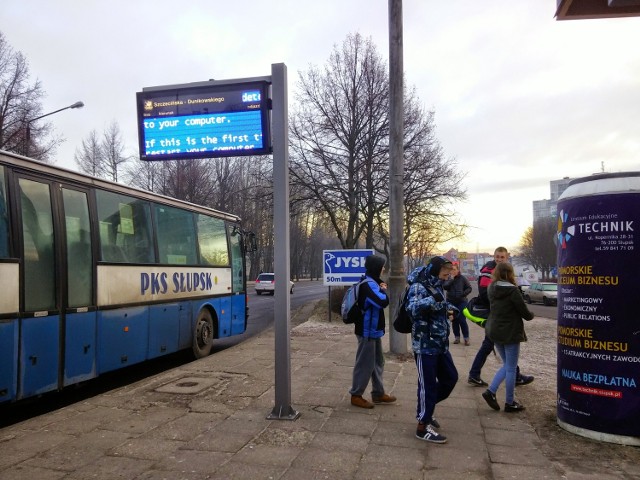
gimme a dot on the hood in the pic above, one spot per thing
(373, 265)
(502, 289)
(422, 274)
(489, 266)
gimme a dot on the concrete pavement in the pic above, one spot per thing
(207, 420)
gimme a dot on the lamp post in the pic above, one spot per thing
(28, 136)
(397, 278)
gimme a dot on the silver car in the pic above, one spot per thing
(545, 292)
(265, 283)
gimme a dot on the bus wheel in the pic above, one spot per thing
(203, 335)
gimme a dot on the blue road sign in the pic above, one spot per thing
(343, 267)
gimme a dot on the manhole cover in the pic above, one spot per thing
(186, 384)
(189, 385)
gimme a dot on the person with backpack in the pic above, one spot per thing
(500, 255)
(458, 287)
(437, 374)
(369, 330)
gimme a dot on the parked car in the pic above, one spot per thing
(266, 282)
(545, 292)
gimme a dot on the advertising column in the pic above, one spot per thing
(598, 321)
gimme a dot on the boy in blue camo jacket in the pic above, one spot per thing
(437, 374)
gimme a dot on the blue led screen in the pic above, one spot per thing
(203, 121)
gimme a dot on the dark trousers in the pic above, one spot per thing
(437, 376)
(481, 357)
(460, 321)
(369, 366)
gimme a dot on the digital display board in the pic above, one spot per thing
(204, 120)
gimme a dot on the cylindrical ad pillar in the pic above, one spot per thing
(599, 308)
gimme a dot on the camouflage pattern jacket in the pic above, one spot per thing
(428, 309)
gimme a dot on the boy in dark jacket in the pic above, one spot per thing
(372, 299)
(437, 374)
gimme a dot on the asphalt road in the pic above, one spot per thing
(261, 309)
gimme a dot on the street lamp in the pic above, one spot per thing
(75, 105)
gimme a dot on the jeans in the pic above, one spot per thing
(369, 366)
(460, 322)
(437, 376)
(509, 352)
(481, 357)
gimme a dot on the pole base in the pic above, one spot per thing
(283, 413)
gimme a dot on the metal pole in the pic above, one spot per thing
(28, 132)
(397, 278)
(282, 305)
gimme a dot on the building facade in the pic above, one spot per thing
(549, 208)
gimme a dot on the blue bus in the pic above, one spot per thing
(96, 276)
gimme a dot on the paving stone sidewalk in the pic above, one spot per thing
(208, 420)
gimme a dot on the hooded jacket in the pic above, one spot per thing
(484, 280)
(428, 309)
(505, 324)
(372, 300)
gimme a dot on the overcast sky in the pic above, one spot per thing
(520, 99)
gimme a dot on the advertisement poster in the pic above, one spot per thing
(598, 320)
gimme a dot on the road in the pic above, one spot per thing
(261, 309)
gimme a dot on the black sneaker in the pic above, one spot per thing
(477, 382)
(427, 433)
(513, 407)
(490, 398)
(524, 380)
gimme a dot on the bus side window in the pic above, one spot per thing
(176, 235)
(37, 244)
(125, 225)
(212, 239)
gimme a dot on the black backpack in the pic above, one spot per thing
(403, 322)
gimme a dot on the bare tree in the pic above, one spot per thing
(147, 175)
(20, 101)
(89, 158)
(340, 134)
(538, 247)
(113, 149)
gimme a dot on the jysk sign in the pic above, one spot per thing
(204, 120)
(343, 267)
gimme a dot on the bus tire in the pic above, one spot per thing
(203, 334)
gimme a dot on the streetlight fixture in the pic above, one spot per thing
(74, 105)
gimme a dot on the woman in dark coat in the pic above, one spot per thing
(505, 329)
(458, 287)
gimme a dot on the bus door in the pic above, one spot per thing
(79, 311)
(39, 338)
(57, 331)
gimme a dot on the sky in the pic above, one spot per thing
(520, 98)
